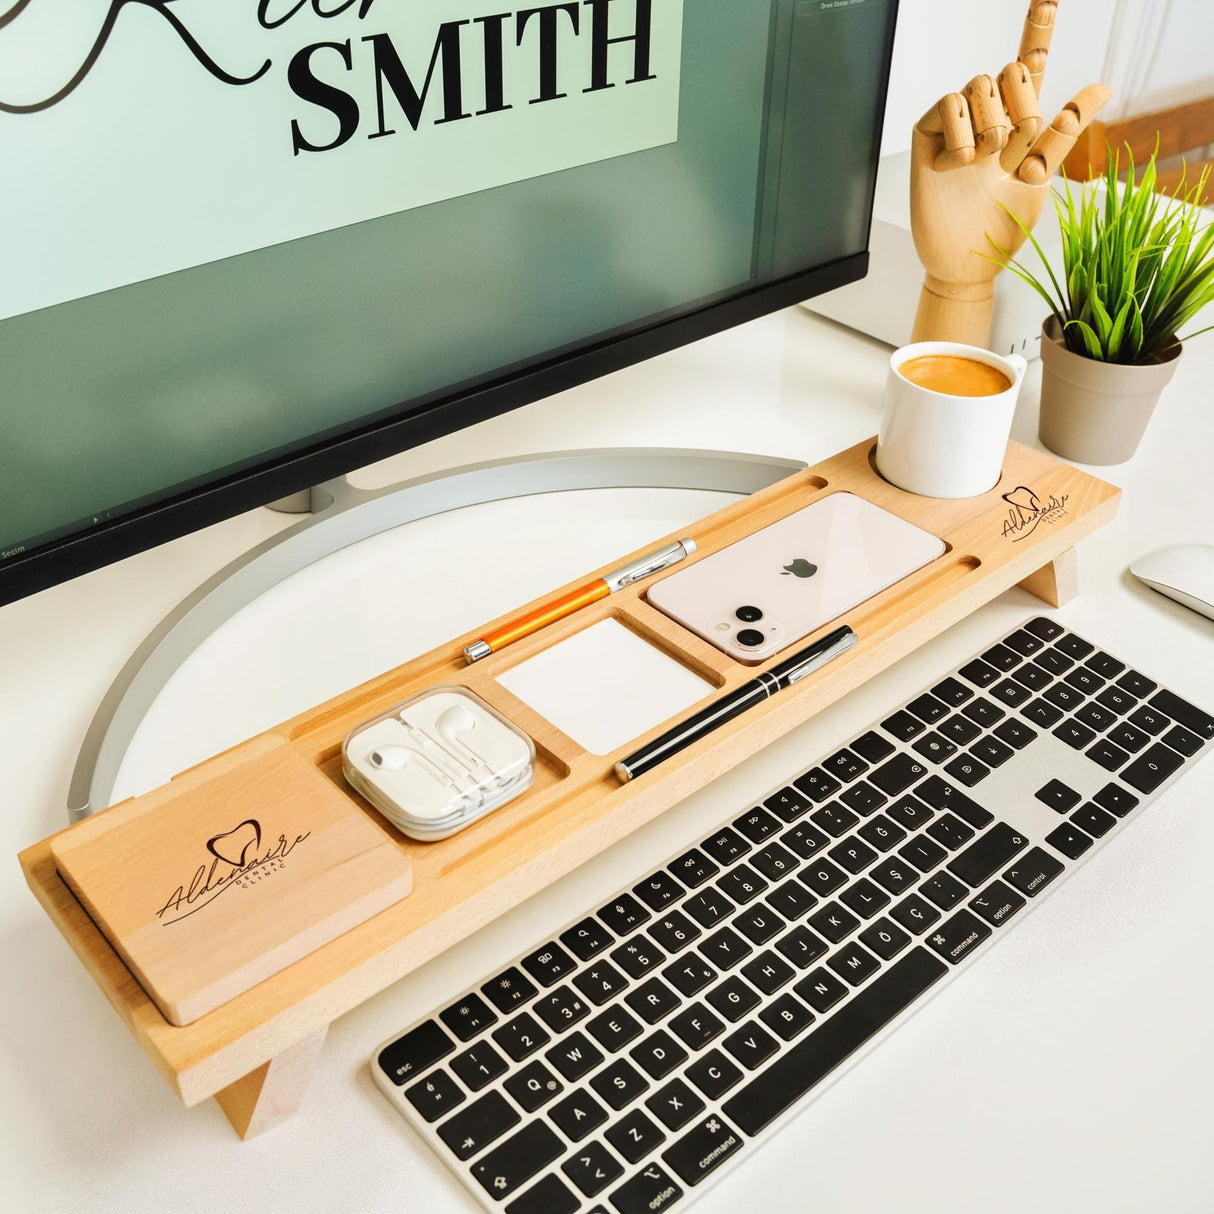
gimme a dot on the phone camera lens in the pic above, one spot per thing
(750, 637)
(749, 615)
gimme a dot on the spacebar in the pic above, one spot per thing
(784, 1083)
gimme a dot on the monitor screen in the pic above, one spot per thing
(250, 244)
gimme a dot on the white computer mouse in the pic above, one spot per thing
(1184, 572)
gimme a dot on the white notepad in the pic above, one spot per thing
(605, 686)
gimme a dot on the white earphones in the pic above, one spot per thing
(458, 720)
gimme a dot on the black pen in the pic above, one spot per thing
(784, 674)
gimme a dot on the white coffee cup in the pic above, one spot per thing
(938, 445)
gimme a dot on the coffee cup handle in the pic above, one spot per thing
(1021, 365)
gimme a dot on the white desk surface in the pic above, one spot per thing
(1072, 1069)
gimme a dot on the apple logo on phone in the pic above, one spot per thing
(801, 568)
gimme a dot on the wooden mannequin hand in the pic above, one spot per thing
(973, 154)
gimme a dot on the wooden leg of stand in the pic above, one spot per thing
(274, 1091)
(1056, 583)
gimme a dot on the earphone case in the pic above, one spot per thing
(438, 762)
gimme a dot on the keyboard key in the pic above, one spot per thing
(872, 746)
(549, 1196)
(952, 692)
(751, 1045)
(845, 766)
(1032, 676)
(898, 774)
(944, 890)
(653, 1001)
(1116, 700)
(592, 1169)
(1063, 696)
(417, 1050)
(576, 1056)
(834, 922)
(894, 876)
(636, 957)
(967, 770)
(864, 898)
(733, 999)
(1014, 733)
(800, 1068)
(927, 708)
(468, 1017)
(674, 931)
(923, 853)
(881, 833)
(997, 903)
(1149, 719)
(1104, 665)
(991, 751)
(578, 1115)
(726, 846)
(757, 825)
(696, 1026)
(675, 1105)
(1183, 740)
(959, 729)
(1058, 796)
(1095, 716)
(775, 862)
(714, 1074)
(1152, 768)
(979, 673)
(1074, 734)
(1042, 713)
(1084, 680)
(517, 1159)
(1069, 840)
(658, 1055)
(768, 972)
(791, 899)
(1011, 693)
(624, 914)
(983, 712)
(482, 1122)
(934, 747)
(903, 726)
(915, 914)
(1191, 717)
(689, 974)
(885, 938)
(533, 1086)
(587, 939)
(983, 858)
(854, 963)
(823, 877)
(863, 798)
(787, 1017)
(561, 1009)
(949, 831)
(435, 1096)
(835, 819)
(725, 949)
(649, 1190)
(805, 840)
(759, 924)
(600, 982)
(521, 1036)
(1023, 642)
(956, 937)
(1094, 820)
(1136, 684)
(479, 1066)
(801, 947)
(619, 1084)
(708, 908)
(1033, 872)
(853, 854)
(910, 812)
(1001, 657)
(788, 804)
(1116, 800)
(509, 989)
(1054, 662)
(1109, 757)
(614, 1028)
(1044, 628)
(1074, 647)
(742, 884)
(549, 964)
(821, 989)
(817, 785)
(658, 891)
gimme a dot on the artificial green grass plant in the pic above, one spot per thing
(1137, 265)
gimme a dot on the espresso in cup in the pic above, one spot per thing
(955, 376)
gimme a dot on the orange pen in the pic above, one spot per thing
(581, 596)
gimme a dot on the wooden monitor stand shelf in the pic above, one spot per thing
(255, 1052)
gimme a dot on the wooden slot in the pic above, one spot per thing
(254, 1047)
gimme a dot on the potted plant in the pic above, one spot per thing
(1137, 267)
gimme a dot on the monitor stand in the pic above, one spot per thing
(340, 514)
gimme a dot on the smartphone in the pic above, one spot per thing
(774, 587)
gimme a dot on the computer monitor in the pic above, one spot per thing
(251, 246)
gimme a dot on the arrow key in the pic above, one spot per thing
(592, 1169)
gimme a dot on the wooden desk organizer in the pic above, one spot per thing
(255, 1052)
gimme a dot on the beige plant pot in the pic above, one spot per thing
(1094, 412)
